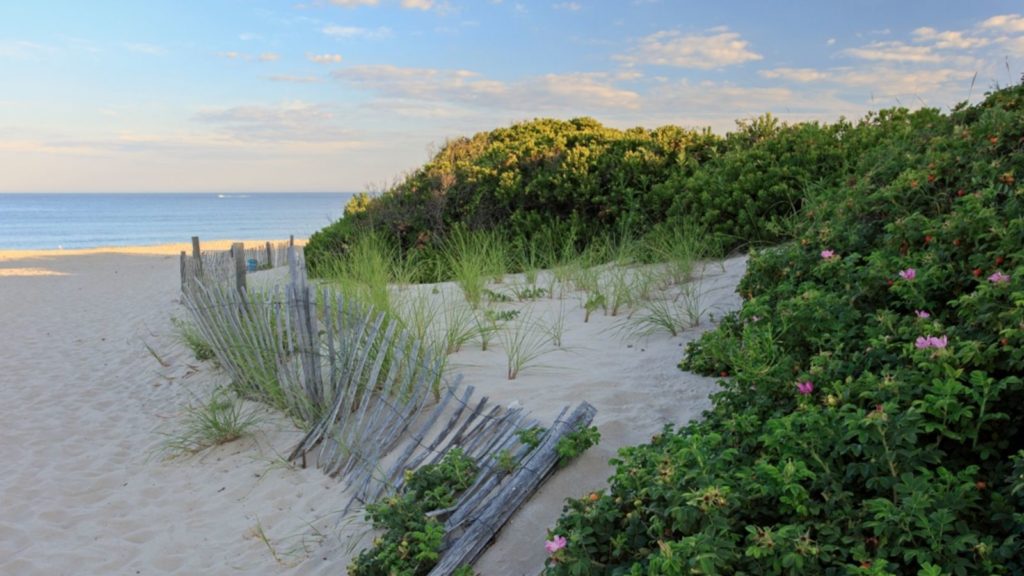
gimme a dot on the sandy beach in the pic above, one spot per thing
(94, 378)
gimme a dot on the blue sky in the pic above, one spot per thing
(347, 95)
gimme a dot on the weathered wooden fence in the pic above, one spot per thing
(375, 401)
(231, 266)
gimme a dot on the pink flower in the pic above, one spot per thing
(998, 278)
(922, 314)
(555, 544)
(826, 254)
(805, 388)
(925, 342)
(908, 274)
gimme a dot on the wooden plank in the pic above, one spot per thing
(184, 272)
(521, 485)
(238, 253)
(197, 256)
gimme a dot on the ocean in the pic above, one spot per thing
(73, 220)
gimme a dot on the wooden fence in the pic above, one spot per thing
(231, 266)
(376, 402)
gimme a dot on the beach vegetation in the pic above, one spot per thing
(575, 443)
(870, 412)
(870, 408)
(411, 539)
(523, 343)
(219, 419)
(193, 339)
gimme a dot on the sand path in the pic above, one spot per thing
(84, 488)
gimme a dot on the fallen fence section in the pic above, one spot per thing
(364, 387)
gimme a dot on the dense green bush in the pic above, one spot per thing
(872, 418)
(748, 193)
(545, 179)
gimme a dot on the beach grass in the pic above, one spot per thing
(219, 419)
(473, 258)
(189, 335)
(523, 343)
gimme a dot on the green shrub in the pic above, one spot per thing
(872, 418)
(411, 541)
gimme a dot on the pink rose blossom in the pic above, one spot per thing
(555, 544)
(922, 314)
(826, 254)
(805, 388)
(908, 274)
(926, 342)
(998, 278)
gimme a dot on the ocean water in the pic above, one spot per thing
(48, 221)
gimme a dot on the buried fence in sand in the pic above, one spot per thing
(230, 266)
(375, 402)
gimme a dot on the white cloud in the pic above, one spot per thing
(1005, 22)
(588, 90)
(716, 49)
(357, 32)
(894, 51)
(287, 122)
(294, 79)
(886, 81)
(421, 83)
(544, 93)
(720, 104)
(246, 57)
(324, 58)
(830, 42)
(354, 3)
(570, 6)
(418, 4)
(23, 50)
(795, 74)
(949, 39)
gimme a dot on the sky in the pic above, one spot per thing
(350, 95)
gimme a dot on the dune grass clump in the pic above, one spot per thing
(219, 419)
(367, 270)
(473, 258)
(524, 342)
(193, 339)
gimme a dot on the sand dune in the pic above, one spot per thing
(93, 376)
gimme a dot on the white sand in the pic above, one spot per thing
(84, 488)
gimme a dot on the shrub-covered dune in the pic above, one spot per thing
(871, 412)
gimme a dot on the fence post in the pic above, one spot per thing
(270, 257)
(238, 253)
(183, 280)
(291, 240)
(198, 256)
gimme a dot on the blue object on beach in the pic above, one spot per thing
(250, 265)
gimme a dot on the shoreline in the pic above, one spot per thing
(12, 254)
